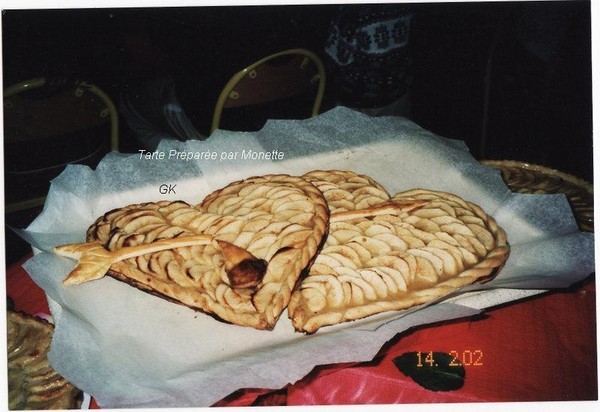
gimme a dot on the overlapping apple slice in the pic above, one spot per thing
(236, 256)
(378, 259)
(346, 191)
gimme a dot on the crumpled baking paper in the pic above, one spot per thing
(128, 348)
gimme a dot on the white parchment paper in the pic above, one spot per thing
(131, 349)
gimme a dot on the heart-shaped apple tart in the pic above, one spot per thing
(238, 255)
(331, 246)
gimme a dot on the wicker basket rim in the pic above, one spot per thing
(581, 183)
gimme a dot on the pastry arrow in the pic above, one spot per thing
(243, 269)
(388, 208)
(94, 260)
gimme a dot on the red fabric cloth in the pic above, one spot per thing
(541, 349)
(25, 293)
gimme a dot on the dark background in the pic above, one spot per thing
(538, 55)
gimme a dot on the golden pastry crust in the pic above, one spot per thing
(32, 382)
(373, 264)
(276, 219)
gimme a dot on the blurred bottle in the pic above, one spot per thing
(368, 58)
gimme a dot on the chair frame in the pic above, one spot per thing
(80, 87)
(237, 77)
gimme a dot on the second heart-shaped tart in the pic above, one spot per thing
(390, 254)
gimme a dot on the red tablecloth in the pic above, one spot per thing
(540, 349)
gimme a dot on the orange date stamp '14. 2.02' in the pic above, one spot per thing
(459, 358)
